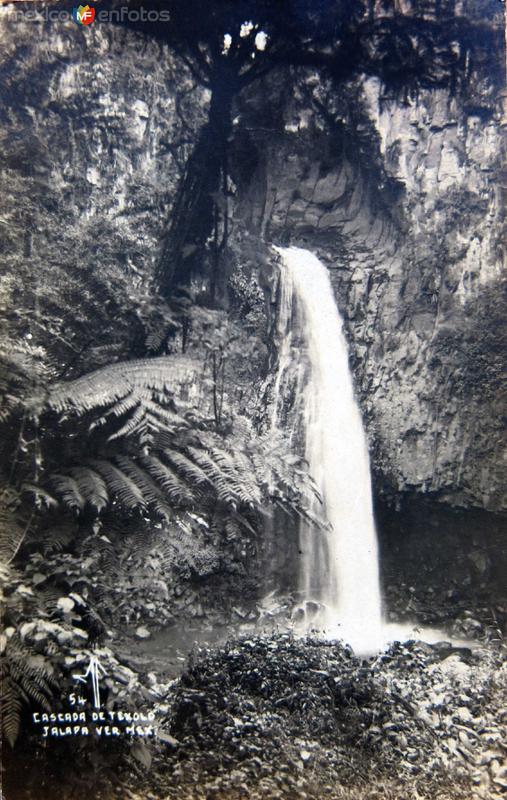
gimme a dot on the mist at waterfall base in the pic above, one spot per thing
(339, 579)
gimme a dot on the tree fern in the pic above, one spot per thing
(164, 460)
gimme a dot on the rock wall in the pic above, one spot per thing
(95, 127)
(401, 198)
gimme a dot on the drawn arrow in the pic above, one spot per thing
(94, 671)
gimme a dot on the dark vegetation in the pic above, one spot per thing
(277, 717)
(120, 450)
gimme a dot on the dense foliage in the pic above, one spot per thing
(275, 716)
(136, 457)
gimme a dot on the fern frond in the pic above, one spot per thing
(42, 497)
(120, 484)
(186, 467)
(91, 485)
(28, 686)
(298, 510)
(238, 470)
(134, 423)
(247, 487)
(54, 538)
(174, 487)
(66, 486)
(217, 478)
(170, 419)
(27, 678)
(118, 409)
(115, 383)
(241, 521)
(137, 393)
(11, 710)
(12, 527)
(149, 489)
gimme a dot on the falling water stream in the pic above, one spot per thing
(338, 569)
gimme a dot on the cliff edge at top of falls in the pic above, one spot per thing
(402, 197)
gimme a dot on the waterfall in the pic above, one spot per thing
(338, 568)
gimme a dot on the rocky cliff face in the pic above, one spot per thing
(399, 195)
(96, 125)
(401, 198)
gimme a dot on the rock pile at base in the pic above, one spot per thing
(280, 717)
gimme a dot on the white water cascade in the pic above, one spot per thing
(338, 571)
(338, 568)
